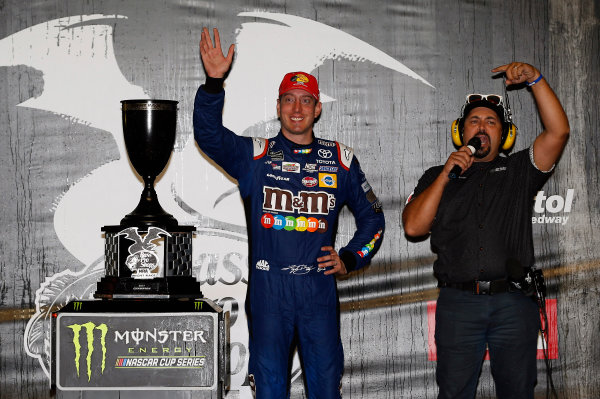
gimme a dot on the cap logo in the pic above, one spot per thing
(299, 78)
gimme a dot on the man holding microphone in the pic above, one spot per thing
(477, 208)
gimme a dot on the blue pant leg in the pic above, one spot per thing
(512, 341)
(319, 339)
(271, 330)
(460, 336)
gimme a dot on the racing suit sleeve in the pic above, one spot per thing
(370, 222)
(231, 152)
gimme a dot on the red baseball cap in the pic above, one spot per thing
(300, 80)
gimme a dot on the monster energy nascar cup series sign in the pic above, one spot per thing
(121, 351)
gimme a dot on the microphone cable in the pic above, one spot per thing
(540, 288)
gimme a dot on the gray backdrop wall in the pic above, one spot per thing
(395, 74)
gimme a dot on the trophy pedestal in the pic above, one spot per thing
(148, 262)
(127, 348)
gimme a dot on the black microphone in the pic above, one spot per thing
(474, 144)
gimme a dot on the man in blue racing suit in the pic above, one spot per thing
(293, 187)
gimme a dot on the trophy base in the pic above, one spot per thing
(173, 287)
(149, 212)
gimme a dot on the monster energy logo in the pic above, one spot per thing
(89, 334)
(198, 305)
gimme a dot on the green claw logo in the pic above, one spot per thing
(89, 329)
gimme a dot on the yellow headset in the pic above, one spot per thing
(509, 132)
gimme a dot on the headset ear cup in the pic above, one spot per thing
(455, 133)
(511, 135)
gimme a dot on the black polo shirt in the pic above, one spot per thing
(484, 218)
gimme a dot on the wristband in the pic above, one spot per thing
(213, 85)
(535, 81)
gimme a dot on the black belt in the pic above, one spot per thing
(480, 287)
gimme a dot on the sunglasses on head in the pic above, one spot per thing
(491, 98)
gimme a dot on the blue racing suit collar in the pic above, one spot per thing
(289, 144)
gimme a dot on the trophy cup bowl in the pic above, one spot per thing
(149, 130)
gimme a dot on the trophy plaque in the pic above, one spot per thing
(148, 255)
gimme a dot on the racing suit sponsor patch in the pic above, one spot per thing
(310, 167)
(332, 169)
(328, 180)
(377, 207)
(345, 155)
(302, 150)
(371, 197)
(293, 167)
(259, 146)
(325, 153)
(326, 143)
(369, 247)
(280, 178)
(290, 223)
(314, 202)
(276, 155)
(366, 186)
(309, 181)
(263, 265)
(326, 161)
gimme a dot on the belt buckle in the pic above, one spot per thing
(482, 287)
